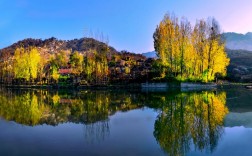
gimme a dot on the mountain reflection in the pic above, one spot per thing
(187, 118)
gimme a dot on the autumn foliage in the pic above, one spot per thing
(186, 53)
(190, 53)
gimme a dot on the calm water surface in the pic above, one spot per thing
(42, 122)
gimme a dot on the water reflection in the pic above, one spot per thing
(184, 121)
(96, 132)
(25, 109)
(188, 118)
(33, 107)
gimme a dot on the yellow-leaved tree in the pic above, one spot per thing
(20, 66)
(186, 53)
(26, 63)
(34, 60)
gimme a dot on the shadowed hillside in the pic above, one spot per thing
(240, 68)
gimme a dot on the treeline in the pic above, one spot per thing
(52, 64)
(186, 52)
(28, 66)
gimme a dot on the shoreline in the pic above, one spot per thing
(146, 86)
(71, 86)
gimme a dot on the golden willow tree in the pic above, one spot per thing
(190, 53)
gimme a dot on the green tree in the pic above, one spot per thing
(61, 58)
(95, 66)
(55, 73)
(76, 61)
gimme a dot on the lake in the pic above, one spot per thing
(120, 122)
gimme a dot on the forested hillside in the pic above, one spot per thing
(84, 61)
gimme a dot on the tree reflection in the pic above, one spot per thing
(186, 118)
(33, 107)
(96, 132)
(25, 109)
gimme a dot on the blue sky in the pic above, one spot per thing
(129, 24)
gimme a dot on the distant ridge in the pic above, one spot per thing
(151, 54)
(234, 41)
(238, 41)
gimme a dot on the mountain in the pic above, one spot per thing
(48, 47)
(52, 45)
(238, 41)
(151, 54)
